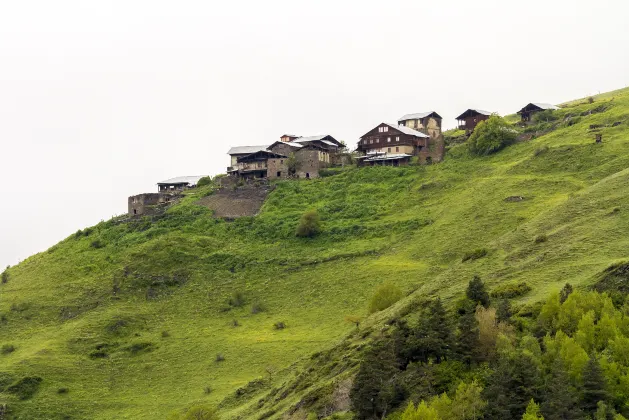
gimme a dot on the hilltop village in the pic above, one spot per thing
(415, 137)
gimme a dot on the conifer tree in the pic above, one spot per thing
(477, 293)
(503, 312)
(562, 401)
(467, 338)
(432, 338)
(374, 391)
(532, 412)
(594, 386)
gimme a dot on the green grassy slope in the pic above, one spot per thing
(130, 317)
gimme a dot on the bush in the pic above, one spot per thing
(7, 348)
(541, 239)
(257, 307)
(235, 323)
(206, 180)
(511, 290)
(237, 300)
(207, 390)
(4, 278)
(309, 225)
(540, 150)
(474, 255)
(490, 136)
(386, 295)
(25, 388)
(219, 358)
(165, 334)
(63, 391)
(279, 325)
(97, 243)
(137, 348)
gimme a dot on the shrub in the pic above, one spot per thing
(540, 150)
(279, 325)
(590, 100)
(165, 334)
(511, 290)
(541, 239)
(235, 323)
(25, 388)
(386, 295)
(219, 358)
(237, 300)
(257, 307)
(7, 348)
(490, 136)
(309, 225)
(474, 255)
(97, 244)
(201, 413)
(206, 180)
(547, 115)
(137, 348)
(63, 390)
(207, 390)
(4, 277)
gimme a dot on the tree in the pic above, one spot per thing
(594, 386)
(467, 338)
(477, 293)
(375, 390)
(566, 290)
(468, 403)
(490, 136)
(532, 412)
(203, 181)
(562, 401)
(422, 412)
(309, 225)
(385, 295)
(292, 164)
(503, 312)
(432, 338)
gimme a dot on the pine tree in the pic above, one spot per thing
(477, 293)
(532, 412)
(562, 401)
(432, 338)
(503, 312)
(467, 338)
(374, 391)
(594, 386)
(512, 384)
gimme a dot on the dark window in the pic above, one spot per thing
(397, 149)
(307, 175)
(279, 174)
(135, 211)
(389, 150)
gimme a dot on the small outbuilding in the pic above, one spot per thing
(527, 112)
(469, 119)
(179, 184)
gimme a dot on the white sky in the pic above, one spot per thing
(99, 100)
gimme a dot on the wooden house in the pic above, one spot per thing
(257, 165)
(241, 151)
(469, 119)
(391, 144)
(527, 112)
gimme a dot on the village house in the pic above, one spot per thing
(291, 156)
(394, 144)
(469, 119)
(527, 112)
(146, 204)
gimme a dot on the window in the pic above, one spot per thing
(135, 211)
(307, 175)
(370, 141)
(385, 129)
(397, 139)
(389, 150)
(380, 129)
(377, 140)
(279, 174)
(388, 139)
(281, 160)
(397, 149)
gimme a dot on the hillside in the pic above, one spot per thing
(132, 318)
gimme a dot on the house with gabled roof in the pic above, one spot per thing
(425, 122)
(393, 144)
(527, 112)
(470, 118)
(240, 151)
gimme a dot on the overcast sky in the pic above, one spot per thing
(99, 100)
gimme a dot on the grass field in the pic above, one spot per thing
(130, 317)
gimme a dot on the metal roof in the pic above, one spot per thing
(472, 111)
(418, 116)
(387, 157)
(407, 130)
(288, 143)
(191, 180)
(545, 106)
(324, 138)
(246, 150)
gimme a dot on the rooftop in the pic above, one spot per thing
(246, 150)
(418, 116)
(471, 112)
(191, 180)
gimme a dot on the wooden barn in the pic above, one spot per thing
(527, 112)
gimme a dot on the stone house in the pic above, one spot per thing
(393, 144)
(469, 119)
(527, 112)
(147, 204)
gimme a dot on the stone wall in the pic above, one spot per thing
(148, 204)
(237, 201)
(308, 163)
(277, 168)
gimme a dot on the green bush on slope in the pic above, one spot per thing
(490, 136)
